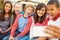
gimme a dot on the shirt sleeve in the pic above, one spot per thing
(27, 28)
(15, 25)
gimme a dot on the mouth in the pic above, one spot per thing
(51, 16)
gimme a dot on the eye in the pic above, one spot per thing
(28, 9)
(43, 10)
(51, 9)
(48, 9)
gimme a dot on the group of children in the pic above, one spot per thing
(16, 25)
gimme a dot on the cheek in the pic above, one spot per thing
(31, 12)
(47, 12)
(26, 10)
(54, 12)
(7, 9)
(43, 11)
(38, 12)
(16, 9)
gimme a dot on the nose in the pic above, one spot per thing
(49, 12)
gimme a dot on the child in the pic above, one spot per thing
(22, 24)
(54, 17)
(17, 9)
(6, 20)
(40, 17)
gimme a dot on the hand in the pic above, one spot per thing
(53, 30)
(3, 32)
(11, 38)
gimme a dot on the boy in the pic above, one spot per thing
(54, 17)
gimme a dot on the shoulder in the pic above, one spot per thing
(30, 19)
(59, 14)
(22, 12)
(19, 15)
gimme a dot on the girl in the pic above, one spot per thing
(6, 20)
(40, 17)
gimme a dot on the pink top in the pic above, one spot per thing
(42, 24)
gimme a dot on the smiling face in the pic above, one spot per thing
(29, 11)
(41, 12)
(17, 8)
(52, 10)
(7, 7)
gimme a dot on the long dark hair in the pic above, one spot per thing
(42, 18)
(14, 14)
(3, 11)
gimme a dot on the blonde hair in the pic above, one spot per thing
(26, 6)
(18, 3)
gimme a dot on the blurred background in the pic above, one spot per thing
(24, 2)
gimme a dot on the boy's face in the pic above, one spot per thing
(29, 11)
(52, 10)
(17, 8)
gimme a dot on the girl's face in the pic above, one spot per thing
(41, 12)
(7, 7)
(29, 11)
(17, 8)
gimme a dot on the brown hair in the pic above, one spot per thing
(42, 18)
(26, 6)
(3, 11)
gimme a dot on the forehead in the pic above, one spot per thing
(29, 7)
(18, 5)
(51, 6)
(8, 4)
(43, 8)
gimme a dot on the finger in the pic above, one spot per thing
(52, 26)
(53, 29)
(52, 33)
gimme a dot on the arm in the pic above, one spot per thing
(11, 23)
(9, 28)
(15, 25)
(53, 30)
(27, 28)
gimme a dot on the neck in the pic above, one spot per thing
(6, 14)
